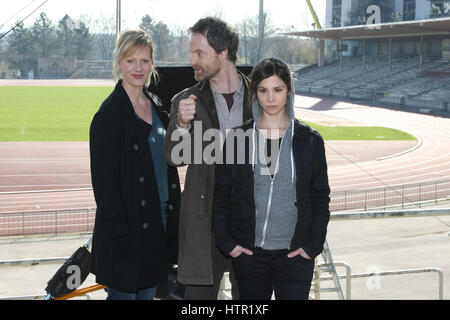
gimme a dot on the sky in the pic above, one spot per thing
(287, 15)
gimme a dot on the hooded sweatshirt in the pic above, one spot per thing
(274, 184)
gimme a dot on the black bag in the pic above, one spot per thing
(172, 290)
(70, 275)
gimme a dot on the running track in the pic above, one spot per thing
(428, 162)
(50, 166)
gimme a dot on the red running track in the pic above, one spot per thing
(26, 167)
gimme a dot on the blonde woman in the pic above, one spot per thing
(137, 194)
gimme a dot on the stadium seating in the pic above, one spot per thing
(402, 86)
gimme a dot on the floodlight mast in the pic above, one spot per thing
(118, 17)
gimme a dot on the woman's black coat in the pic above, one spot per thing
(234, 206)
(130, 249)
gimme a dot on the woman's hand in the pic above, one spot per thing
(299, 252)
(238, 250)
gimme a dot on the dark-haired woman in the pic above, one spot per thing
(271, 211)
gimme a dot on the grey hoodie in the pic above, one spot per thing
(275, 197)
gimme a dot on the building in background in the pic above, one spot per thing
(341, 13)
(348, 13)
(344, 13)
(393, 52)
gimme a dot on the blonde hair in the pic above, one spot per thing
(129, 41)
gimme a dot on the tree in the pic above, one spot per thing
(294, 50)
(180, 43)
(147, 24)
(19, 41)
(82, 41)
(243, 41)
(248, 35)
(103, 36)
(65, 36)
(160, 34)
(19, 50)
(44, 36)
(162, 38)
(253, 47)
(73, 38)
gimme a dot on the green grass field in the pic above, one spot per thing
(29, 113)
(35, 113)
(360, 133)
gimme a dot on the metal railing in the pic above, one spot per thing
(82, 220)
(316, 285)
(47, 222)
(404, 196)
(327, 266)
(349, 276)
(330, 267)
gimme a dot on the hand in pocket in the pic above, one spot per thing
(238, 250)
(297, 252)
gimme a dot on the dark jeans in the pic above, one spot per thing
(266, 271)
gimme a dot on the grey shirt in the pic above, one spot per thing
(275, 197)
(229, 118)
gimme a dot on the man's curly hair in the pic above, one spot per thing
(220, 36)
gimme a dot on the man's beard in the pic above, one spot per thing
(208, 73)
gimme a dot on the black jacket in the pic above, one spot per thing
(130, 249)
(234, 206)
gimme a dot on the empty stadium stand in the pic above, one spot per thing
(402, 85)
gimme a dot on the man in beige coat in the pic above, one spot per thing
(218, 101)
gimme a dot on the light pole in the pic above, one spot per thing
(261, 28)
(118, 17)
